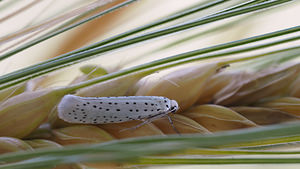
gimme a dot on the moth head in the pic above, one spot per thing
(174, 106)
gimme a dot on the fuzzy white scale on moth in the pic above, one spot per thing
(101, 110)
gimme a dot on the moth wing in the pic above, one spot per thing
(66, 105)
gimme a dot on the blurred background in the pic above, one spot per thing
(22, 21)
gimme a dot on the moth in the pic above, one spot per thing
(101, 110)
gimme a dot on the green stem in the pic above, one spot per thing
(159, 144)
(163, 64)
(207, 151)
(212, 161)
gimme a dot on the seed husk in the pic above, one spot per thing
(23, 113)
(263, 85)
(289, 105)
(264, 116)
(79, 134)
(183, 84)
(217, 118)
(181, 123)
(10, 144)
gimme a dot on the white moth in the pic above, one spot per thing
(101, 110)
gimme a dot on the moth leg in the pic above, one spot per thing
(149, 120)
(137, 126)
(172, 124)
